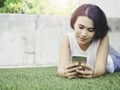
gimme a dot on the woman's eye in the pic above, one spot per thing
(91, 30)
(81, 27)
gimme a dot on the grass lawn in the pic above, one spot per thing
(45, 78)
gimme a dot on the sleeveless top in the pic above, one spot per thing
(90, 53)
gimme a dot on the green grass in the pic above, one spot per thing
(45, 78)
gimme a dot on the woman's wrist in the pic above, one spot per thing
(94, 73)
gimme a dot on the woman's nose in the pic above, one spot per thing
(84, 33)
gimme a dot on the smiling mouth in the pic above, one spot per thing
(82, 39)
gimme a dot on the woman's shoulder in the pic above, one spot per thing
(96, 42)
(69, 34)
(65, 40)
(68, 39)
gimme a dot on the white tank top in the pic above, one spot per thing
(90, 53)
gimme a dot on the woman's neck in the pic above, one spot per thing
(84, 47)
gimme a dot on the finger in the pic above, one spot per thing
(86, 66)
(71, 65)
(72, 69)
(85, 76)
(79, 67)
(71, 74)
(70, 77)
(86, 72)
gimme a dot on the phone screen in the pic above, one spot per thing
(79, 58)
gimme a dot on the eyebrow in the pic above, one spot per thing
(84, 26)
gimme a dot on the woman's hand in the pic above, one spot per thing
(70, 70)
(86, 72)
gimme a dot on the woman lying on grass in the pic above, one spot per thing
(90, 39)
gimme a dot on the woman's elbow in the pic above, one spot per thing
(98, 73)
(61, 72)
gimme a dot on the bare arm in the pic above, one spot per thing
(101, 60)
(102, 56)
(64, 54)
(65, 67)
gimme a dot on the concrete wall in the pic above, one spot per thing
(33, 40)
(30, 40)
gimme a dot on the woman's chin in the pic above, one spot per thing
(82, 43)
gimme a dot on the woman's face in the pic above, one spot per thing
(84, 30)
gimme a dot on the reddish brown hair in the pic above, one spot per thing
(96, 14)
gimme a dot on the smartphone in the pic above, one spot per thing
(79, 59)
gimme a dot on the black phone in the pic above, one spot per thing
(79, 59)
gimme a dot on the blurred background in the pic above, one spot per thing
(51, 7)
(56, 7)
(31, 30)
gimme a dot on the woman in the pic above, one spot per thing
(90, 39)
